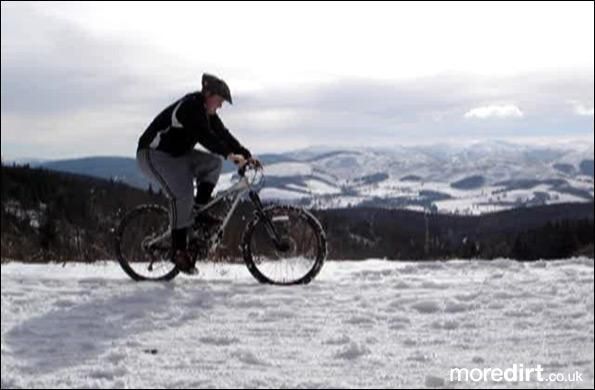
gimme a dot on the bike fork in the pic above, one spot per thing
(267, 221)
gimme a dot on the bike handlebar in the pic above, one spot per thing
(243, 168)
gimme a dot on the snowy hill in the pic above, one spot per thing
(473, 179)
(121, 169)
(467, 179)
(360, 324)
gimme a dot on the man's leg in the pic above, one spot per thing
(206, 168)
(175, 177)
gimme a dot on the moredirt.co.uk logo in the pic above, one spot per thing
(515, 373)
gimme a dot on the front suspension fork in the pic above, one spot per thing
(267, 221)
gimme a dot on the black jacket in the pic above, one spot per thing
(178, 128)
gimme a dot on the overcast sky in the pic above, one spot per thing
(86, 78)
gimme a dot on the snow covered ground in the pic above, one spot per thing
(360, 324)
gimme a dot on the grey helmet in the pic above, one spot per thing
(215, 85)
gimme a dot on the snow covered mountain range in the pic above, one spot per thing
(467, 179)
(477, 178)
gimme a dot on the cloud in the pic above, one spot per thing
(582, 109)
(53, 66)
(495, 111)
(68, 91)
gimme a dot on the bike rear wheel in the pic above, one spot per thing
(299, 254)
(141, 254)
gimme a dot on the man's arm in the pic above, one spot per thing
(228, 139)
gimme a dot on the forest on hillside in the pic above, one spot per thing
(51, 216)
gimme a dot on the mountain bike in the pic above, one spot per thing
(280, 244)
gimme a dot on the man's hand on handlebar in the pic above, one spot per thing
(255, 162)
(240, 161)
(237, 159)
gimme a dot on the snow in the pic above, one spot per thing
(466, 207)
(289, 169)
(372, 323)
(280, 194)
(441, 165)
(318, 187)
(225, 181)
(14, 208)
(326, 178)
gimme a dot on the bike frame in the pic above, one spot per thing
(239, 189)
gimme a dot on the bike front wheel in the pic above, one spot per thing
(285, 245)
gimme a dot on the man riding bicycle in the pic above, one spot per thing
(166, 154)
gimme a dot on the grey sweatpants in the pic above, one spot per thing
(176, 174)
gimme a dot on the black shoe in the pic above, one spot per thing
(184, 262)
(203, 192)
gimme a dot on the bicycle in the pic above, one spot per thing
(281, 244)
